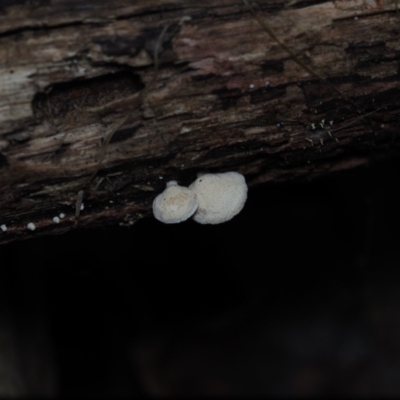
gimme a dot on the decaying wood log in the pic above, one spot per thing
(225, 96)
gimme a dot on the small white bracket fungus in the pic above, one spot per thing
(220, 196)
(31, 226)
(175, 204)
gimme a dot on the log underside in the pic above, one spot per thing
(226, 96)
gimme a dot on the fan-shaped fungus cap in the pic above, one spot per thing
(220, 196)
(175, 204)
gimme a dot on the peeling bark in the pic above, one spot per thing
(226, 96)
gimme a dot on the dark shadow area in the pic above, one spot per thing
(297, 295)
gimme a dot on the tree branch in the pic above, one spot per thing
(79, 111)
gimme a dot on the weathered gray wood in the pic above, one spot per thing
(223, 99)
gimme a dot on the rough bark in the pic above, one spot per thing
(226, 96)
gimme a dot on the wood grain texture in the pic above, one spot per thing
(226, 97)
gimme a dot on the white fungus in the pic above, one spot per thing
(175, 204)
(31, 226)
(62, 215)
(56, 220)
(3, 227)
(220, 197)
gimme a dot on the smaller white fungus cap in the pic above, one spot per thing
(221, 197)
(175, 204)
(31, 226)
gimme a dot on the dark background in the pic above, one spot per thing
(298, 294)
